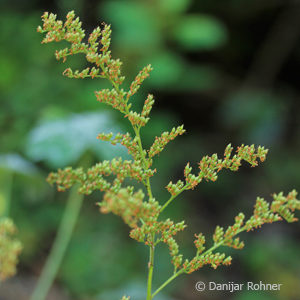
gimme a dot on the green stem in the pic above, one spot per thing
(149, 191)
(148, 185)
(152, 246)
(167, 282)
(150, 272)
(59, 247)
(136, 130)
(173, 197)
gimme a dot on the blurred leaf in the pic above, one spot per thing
(174, 6)
(134, 26)
(11, 164)
(62, 142)
(202, 32)
(15, 163)
(168, 68)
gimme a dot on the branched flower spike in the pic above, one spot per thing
(139, 211)
(282, 207)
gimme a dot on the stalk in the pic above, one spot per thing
(152, 246)
(148, 187)
(59, 247)
(167, 282)
(150, 272)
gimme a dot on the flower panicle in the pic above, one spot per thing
(124, 139)
(161, 142)
(112, 97)
(109, 176)
(147, 106)
(282, 207)
(97, 52)
(164, 232)
(209, 166)
(125, 203)
(136, 119)
(137, 82)
(94, 177)
(213, 259)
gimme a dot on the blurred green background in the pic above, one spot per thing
(227, 70)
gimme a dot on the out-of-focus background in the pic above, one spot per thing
(227, 70)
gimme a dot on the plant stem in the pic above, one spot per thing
(152, 246)
(148, 185)
(173, 197)
(149, 191)
(150, 272)
(136, 130)
(167, 282)
(59, 247)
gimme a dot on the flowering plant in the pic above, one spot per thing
(138, 208)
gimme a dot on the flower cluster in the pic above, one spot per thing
(131, 144)
(114, 98)
(140, 214)
(160, 142)
(213, 259)
(209, 166)
(93, 178)
(10, 248)
(130, 206)
(97, 52)
(136, 84)
(147, 106)
(281, 207)
(164, 232)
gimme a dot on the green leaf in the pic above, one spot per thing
(135, 27)
(167, 69)
(202, 32)
(15, 163)
(63, 141)
(174, 6)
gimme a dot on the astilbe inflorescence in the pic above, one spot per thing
(142, 215)
(282, 207)
(10, 248)
(209, 166)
